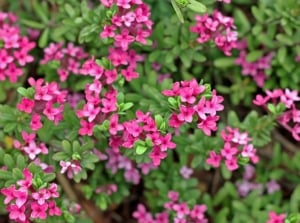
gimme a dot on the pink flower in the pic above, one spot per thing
(198, 212)
(41, 196)
(165, 142)
(274, 218)
(114, 126)
(5, 59)
(108, 31)
(22, 57)
(129, 74)
(228, 151)
(90, 111)
(39, 211)
(16, 213)
(26, 183)
(86, 128)
(26, 105)
(28, 137)
(21, 196)
(32, 150)
(232, 164)
(124, 39)
(209, 124)
(186, 114)
(174, 121)
(53, 209)
(8, 193)
(35, 123)
(173, 196)
(157, 155)
(181, 209)
(248, 151)
(214, 159)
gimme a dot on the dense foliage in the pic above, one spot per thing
(150, 111)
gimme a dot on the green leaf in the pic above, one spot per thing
(5, 175)
(67, 147)
(140, 150)
(127, 106)
(87, 146)
(21, 161)
(158, 120)
(49, 177)
(8, 161)
(257, 13)
(32, 24)
(43, 40)
(197, 6)
(70, 10)
(242, 20)
(9, 127)
(254, 55)
(17, 174)
(281, 55)
(285, 39)
(233, 119)
(76, 147)
(40, 11)
(224, 62)
(177, 11)
(60, 156)
(271, 107)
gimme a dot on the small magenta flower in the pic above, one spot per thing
(21, 196)
(16, 213)
(26, 105)
(214, 159)
(8, 193)
(41, 196)
(157, 155)
(186, 114)
(114, 126)
(232, 164)
(181, 209)
(274, 218)
(39, 211)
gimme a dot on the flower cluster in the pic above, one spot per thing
(97, 108)
(274, 218)
(290, 119)
(247, 185)
(218, 28)
(69, 58)
(181, 211)
(237, 147)
(117, 161)
(130, 24)
(25, 202)
(254, 69)
(194, 106)
(48, 100)
(140, 132)
(29, 146)
(14, 48)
